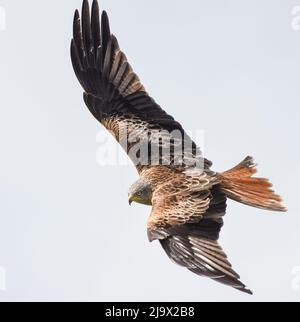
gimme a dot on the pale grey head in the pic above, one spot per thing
(140, 192)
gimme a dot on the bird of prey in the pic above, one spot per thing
(188, 199)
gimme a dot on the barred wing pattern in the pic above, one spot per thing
(116, 98)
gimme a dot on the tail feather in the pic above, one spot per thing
(238, 184)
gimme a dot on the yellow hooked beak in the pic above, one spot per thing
(133, 198)
(130, 200)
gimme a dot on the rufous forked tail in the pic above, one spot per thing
(239, 185)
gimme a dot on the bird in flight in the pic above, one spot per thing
(188, 199)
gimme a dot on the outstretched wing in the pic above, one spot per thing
(187, 222)
(117, 98)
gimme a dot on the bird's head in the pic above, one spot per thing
(140, 192)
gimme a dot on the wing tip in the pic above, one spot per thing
(242, 287)
(76, 15)
(85, 3)
(105, 19)
(85, 11)
(95, 9)
(245, 290)
(76, 20)
(104, 14)
(95, 3)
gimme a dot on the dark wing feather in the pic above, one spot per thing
(188, 222)
(115, 95)
(202, 257)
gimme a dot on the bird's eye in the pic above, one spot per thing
(139, 193)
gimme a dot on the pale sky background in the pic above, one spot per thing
(230, 68)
